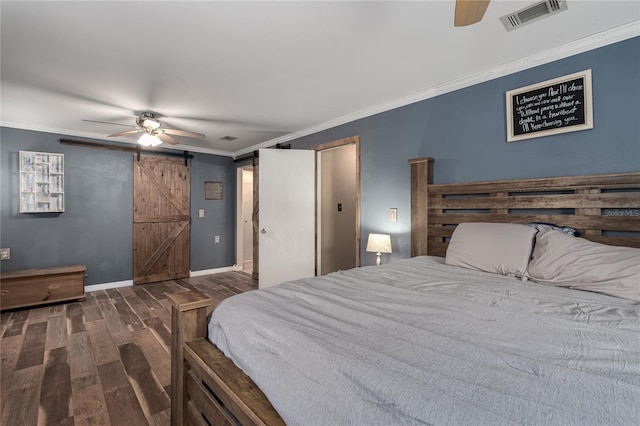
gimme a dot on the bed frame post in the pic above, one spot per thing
(188, 322)
(421, 178)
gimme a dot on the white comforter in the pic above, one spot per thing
(420, 342)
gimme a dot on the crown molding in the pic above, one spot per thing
(595, 41)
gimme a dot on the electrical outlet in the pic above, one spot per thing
(5, 253)
(216, 239)
(201, 213)
(393, 215)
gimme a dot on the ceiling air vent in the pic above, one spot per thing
(532, 13)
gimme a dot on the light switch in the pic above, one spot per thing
(393, 215)
(5, 254)
(201, 213)
(216, 239)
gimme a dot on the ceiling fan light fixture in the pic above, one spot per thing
(149, 140)
(151, 124)
(153, 134)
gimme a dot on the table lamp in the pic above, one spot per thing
(379, 243)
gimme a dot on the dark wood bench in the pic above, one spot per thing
(32, 287)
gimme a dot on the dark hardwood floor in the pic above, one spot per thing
(103, 361)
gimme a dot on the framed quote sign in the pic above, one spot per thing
(560, 105)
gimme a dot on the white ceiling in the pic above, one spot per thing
(263, 72)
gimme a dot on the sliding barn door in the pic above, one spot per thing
(160, 219)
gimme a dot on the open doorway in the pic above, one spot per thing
(337, 230)
(244, 228)
(338, 205)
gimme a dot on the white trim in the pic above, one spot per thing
(240, 211)
(239, 222)
(318, 197)
(107, 286)
(129, 283)
(595, 41)
(231, 268)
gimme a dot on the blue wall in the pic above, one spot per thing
(96, 228)
(219, 215)
(465, 132)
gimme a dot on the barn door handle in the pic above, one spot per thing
(263, 231)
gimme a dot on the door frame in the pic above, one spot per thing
(239, 231)
(239, 216)
(254, 214)
(256, 162)
(355, 140)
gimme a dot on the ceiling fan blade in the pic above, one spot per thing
(126, 132)
(469, 12)
(166, 138)
(183, 133)
(106, 122)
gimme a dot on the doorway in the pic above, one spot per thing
(341, 160)
(338, 205)
(244, 229)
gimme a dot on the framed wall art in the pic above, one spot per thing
(41, 182)
(560, 105)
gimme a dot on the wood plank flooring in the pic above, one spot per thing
(103, 361)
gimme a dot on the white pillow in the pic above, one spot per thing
(566, 261)
(500, 248)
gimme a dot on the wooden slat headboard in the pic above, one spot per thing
(603, 208)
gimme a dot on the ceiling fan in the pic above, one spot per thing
(153, 133)
(469, 12)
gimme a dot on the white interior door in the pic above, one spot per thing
(286, 216)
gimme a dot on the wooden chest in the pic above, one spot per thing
(39, 286)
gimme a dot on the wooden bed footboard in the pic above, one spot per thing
(206, 387)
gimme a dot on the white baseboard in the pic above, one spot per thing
(107, 286)
(215, 270)
(129, 283)
(247, 265)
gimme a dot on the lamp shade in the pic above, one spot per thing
(149, 140)
(379, 243)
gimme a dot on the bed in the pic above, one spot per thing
(432, 342)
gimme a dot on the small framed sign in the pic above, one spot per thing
(213, 190)
(560, 105)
